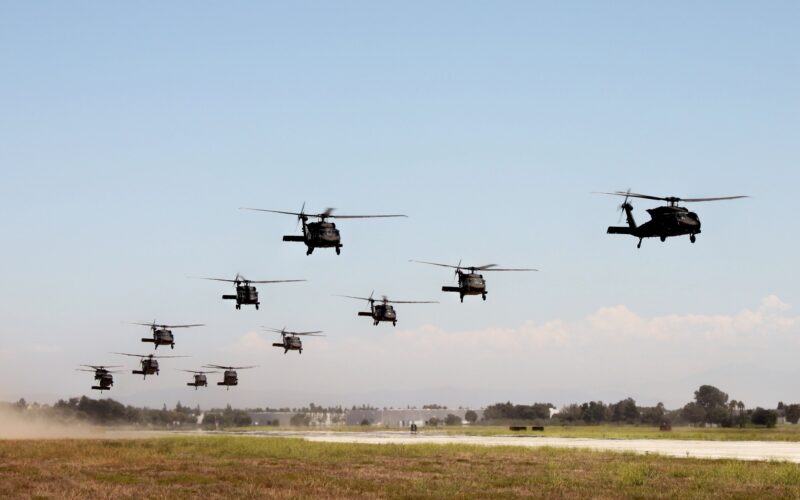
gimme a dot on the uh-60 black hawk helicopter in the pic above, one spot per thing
(162, 334)
(665, 221)
(290, 341)
(470, 283)
(246, 293)
(230, 377)
(320, 234)
(149, 362)
(103, 375)
(383, 310)
(200, 379)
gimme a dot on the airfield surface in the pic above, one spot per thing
(736, 450)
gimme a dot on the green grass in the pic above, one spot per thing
(780, 433)
(246, 467)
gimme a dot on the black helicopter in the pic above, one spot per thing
(246, 293)
(230, 377)
(665, 221)
(290, 341)
(162, 334)
(383, 310)
(148, 361)
(199, 378)
(320, 234)
(103, 375)
(470, 283)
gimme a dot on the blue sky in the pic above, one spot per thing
(130, 135)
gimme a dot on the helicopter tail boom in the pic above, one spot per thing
(619, 230)
(451, 289)
(229, 297)
(291, 237)
(148, 340)
(362, 313)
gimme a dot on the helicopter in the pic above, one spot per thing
(148, 361)
(162, 335)
(290, 341)
(103, 375)
(230, 377)
(469, 283)
(245, 292)
(199, 378)
(384, 311)
(320, 234)
(665, 221)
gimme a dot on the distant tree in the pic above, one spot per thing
(451, 419)
(693, 413)
(365, 423)
(625, 411)
(713, 402)
(792, 413)
(433, 422)
(433, 407)
(471, 417)
(653, 415)
(764, 417)
(594, 412)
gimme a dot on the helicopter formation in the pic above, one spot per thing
(666, 221)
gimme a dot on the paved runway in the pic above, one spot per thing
(739, 450)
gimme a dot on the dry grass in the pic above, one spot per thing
(244, 467)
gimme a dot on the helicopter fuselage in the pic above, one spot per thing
(290, 343)
(665, 222)
(162, 336)
(149, 367)
(229, 378)
(321, 234)
(245, 295)
(468, 284)
(105, 380)
(381, 312)
(199, 381)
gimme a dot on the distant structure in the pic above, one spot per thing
(400, 418)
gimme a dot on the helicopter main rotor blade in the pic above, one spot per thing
(231, 367)
(181, 326)
(436, 264)
(692, 200)
(273, 281)
(634, 195)
(365, 216)
(132, 355)
(273, 211)
(357, 298)
(102, 367)
(212, 279)
(508, 269)
(412, 301)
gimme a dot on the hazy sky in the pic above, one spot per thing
(131, 134)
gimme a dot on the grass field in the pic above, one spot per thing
(244, 467)
(780, 433)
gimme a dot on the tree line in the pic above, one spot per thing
(710, 406)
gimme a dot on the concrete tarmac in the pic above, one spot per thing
(738, 450)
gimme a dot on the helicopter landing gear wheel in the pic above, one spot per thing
(338, 250)
(462, 298)
(310, 250)
(640, 243)
(484, 296)
(172, 346)
(692, 238)
(301, 351)
(394, 323)
(663, 239)
(256, 307)
(238, 306)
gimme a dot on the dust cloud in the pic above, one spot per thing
(22, 425)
